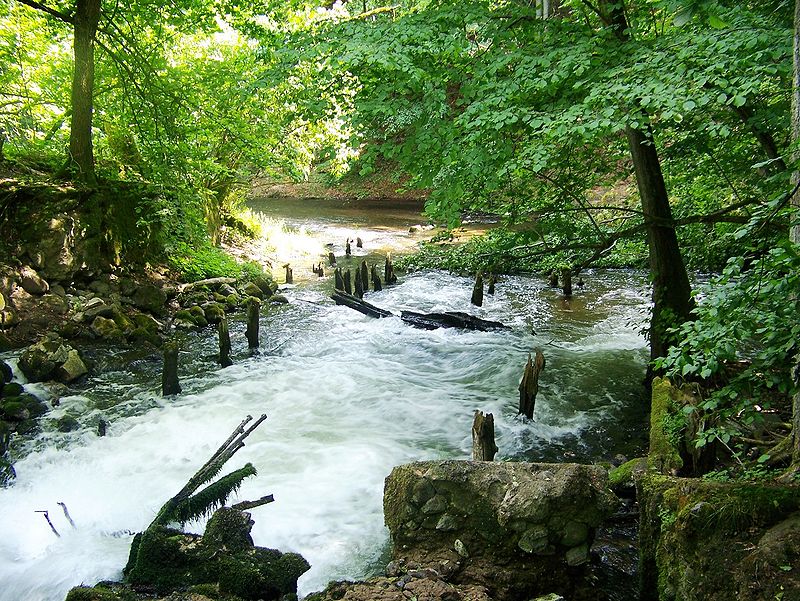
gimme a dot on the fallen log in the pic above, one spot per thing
(427, 321)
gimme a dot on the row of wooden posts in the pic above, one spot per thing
(358, 283)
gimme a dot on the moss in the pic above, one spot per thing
(622, 475)
(157, 559)
(85, 593)
(12, 389)
(663, 456)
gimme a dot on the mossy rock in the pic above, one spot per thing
(261, 574)
(663, 456)
(199, 316)
(123, 322)
(6, 429)
(6, 374)
(67, 423)
(7, 473)
(250, 289)
(145, 335)
(13, 389)
(13, 409)
(278, 299)
(35, 406)
(107, 329)
(622, 476)
(159, 559)
(146, 322)
(28, 427)
(215, 312)
(150, 298)
(267, 285)
(232, 301)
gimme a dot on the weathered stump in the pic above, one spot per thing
(364, 273)
(320, 271)
(388, 272)
(359, 243)
(338, 280)
(580, 283)
(566, 281)
(359, 285)
(553, 281)
(169, 375)
(253, 315)
(376, 279)
(102, 426)
(529, 386)
(477, 291)
(348, 284)
(331, 259)
(483, 445)
(289, 278)
(347, 249)
(224, 343)
(492, 282)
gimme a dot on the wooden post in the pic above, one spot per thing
(102, 426)
(253, 314)
(169, 375)
(320, 271)
(566, 281)
(553, 281)
(224, 343)
(338, 280)
(364, 273)
(389, 277)
(348, 285)
(580, 283)
(347, 249)
(376, 279)
(331, 259)
(477, 291)
(289, 278)
(483, 445)
(359, 285)
(529, 386)
(359, 243)
(492, 282)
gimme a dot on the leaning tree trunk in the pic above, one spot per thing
(87, 17)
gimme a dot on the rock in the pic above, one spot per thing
(278, 299)
(107, 329)
(9, 318)
(250, 289)
(214, 312)
(40, 361)
(149, 297)
(101, 287)
(7, 473)
(226, 290)
(550, 597)
(524, 524)
(94, 309)
(6, 374)
(424, 585)
(267, 286)
(55, 304)
(73, 368)
(67, 423)
(5, 341)
(32, 282)
(13, 409)
(166, 560)
(58, 290)
(2, 301)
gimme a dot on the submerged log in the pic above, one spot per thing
(529, 386)
(492, 282)
(483, 445)
(348, 285)
(364, 273)
(566, 281)
(376, 279)
(348, 300)
(253, 314)
(169, 375)
(477, 291)
(338, 280)
(224, 343)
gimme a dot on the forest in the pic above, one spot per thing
(648, 147)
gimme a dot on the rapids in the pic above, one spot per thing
(347, 398)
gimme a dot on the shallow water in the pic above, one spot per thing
(348, 397)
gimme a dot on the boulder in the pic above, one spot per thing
(6, 374)
(214, 312)
(278, 299)
(107, 329)
(515, 528)
(32, 282)
(166, 560)
(50, 359)
(250, 289)
(425, 585)
(96, 307)
(151, 298)
(267, 286)
(67, 423)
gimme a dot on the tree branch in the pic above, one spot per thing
(50, 11)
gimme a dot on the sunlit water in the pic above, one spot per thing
(348, 397)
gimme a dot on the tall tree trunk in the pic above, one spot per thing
(672, 293)
(794, 230)
(87, 17)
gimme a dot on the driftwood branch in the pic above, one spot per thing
(245, 505)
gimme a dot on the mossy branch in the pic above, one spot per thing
(213, 496)
(184, 503)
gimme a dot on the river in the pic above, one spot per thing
(347, 398)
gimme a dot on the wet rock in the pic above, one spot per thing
(107, 329)
(278, 299)
(13, 410)
(67, 423)
(32, 282)
(45, 360)
(6, 374)
(7, 473)
(214, 312)
(167, 560)
(250, 289)
(267, 286)
(522, 526)
(55, 304)
(227, 290)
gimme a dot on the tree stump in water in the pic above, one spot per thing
(102, 426)
(553, 281)
(364, 273)
(580, 283)
(388, 272)
(376, 279)
(359, 285)
(529, 386)
(253, 314)
(224, 343)
(347, 250)
(338, 280)
(477, 291)
(331, 259)
(359, 243)
(492, 282)
(566, 281)
(348, 285)
(289, 278)
(320, 271)
(483, 445)
(169, 376)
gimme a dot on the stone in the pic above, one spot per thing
(106, 329)
(6, 374)
(73, 368)
(150, 297)
(13, 409)
(95, 309)
(67, 423)
(577, 555)
(575, 533)
(227, 290)
(9, 318)
(32, 282)
(460, 548)
(278, 299)
(267, 286)
(437, 504)
(2, 301)
(250, 289)
(214, 312)
(55, 303)
(40, 361)
(534, 540)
